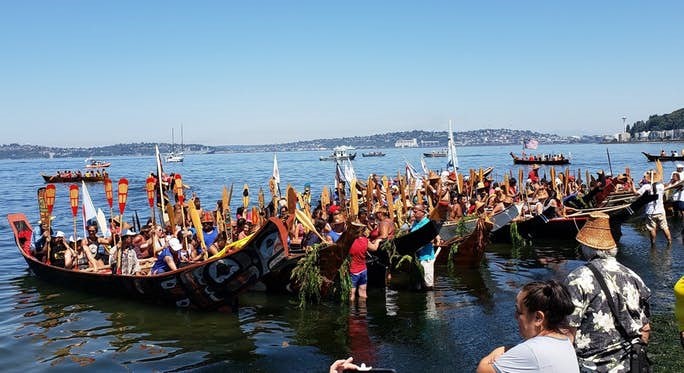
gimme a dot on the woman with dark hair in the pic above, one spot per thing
(541, 309)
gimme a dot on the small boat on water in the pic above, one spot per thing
(663, 157)
(174, 156)
(548, 160)
(340, 153)
(436, 154)
(96, 163)
(213, 284)
(373, 154)
(88, 177)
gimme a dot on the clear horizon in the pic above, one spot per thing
(89, 74)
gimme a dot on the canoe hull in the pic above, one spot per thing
(75, 179)
(663, 158)
(209, 285)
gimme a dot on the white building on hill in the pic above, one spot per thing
(413, 143)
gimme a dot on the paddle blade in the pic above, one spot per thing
(245, 196)
(325, 197)
(224, 200)
(230, 195)
(354, 199)
(260, 197)
(291, 200)
(196, 222)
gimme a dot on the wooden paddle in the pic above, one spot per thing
(122, 198)
(370, 186)
(245, 196)
(50, 192)
(225, 205)
(291, 200)
(197, 223)
(388, 197)
(149, 188)
(172, 215)
(260, 198)
(73, 200)
(307, 223)
(353, 200)
(325, 198)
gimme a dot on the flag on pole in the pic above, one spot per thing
(349, 173)
(276, 171)
(531, 144)
(89, 211)
(160, 176)
(426, 170)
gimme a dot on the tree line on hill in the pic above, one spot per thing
(671, 121)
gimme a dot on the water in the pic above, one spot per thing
(45, 326)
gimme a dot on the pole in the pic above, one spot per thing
(609, 164)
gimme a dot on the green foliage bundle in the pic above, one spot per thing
(307, 274)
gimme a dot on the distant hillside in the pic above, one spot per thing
(424, 138)
(672, 121)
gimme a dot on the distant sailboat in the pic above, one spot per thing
(175, 156)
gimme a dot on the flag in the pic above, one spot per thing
(349, 173)
(276, 171)
(160, 176)
(426, 170)
(89, 211)
(531, 144)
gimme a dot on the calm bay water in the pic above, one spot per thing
(45, 326)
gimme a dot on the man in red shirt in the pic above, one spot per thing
(357, 267)
(533, 176)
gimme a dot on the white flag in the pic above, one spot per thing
(276, 171)
(89, 211)
(426, 170)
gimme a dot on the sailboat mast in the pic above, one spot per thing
(173, 143)
(181, 137)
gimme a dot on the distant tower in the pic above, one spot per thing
(623, 123)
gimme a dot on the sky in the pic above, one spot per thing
(91, 73)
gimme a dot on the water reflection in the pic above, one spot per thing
(69, 329)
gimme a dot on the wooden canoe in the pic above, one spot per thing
(663, 158)
(73, 179)
(213, 284)
(557, 162)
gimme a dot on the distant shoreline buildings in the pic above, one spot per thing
(647, 136)
(401, 143)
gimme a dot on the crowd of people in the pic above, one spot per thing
(593, 320)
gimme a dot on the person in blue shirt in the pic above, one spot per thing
(209, 232)
(426, 254)
(167, 259)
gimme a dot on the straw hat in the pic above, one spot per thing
(433, 176)
(596, 232)
(535, 166)
(117, 220)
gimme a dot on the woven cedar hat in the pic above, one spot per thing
(433, 176)
(596, 232)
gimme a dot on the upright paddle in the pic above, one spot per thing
(122, 199)
(73, 200)
(149, 187)
(50, 192)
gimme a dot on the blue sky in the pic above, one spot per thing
(82, 73)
